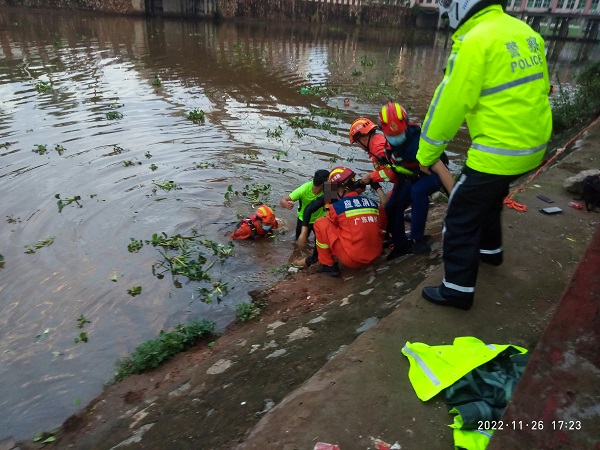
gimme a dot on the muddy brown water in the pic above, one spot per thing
(62, 76)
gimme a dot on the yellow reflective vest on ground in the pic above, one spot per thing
(497, 80)
(434, 368)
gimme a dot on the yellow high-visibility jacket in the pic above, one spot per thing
(497, 80)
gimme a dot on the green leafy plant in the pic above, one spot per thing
(356, 73)
(148, 155)
(135, 290)
(39, 244)
(245, 311)
(165, 185)
(134, 246)
(276, 133)
(151, 353)
(45, 437)
(365, 61)
(114, 115)
(204, 165)
(43, 86)
(196, 116)
(214, 292)
(81, 321)
(280, 153)
(128, 163)
(116, 151)
(328, 112)
(83, 337)
(40, 149)
(67, 201)
(156, 82)
(59, 149)
(153, 167)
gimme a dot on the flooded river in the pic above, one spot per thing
(95, 127)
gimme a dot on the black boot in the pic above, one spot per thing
(494, 259)
(434, 295)
(404, 249)
(330, 271)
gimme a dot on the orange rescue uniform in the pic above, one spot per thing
(351, 231)
(250, 229)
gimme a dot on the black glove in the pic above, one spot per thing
(374, 185)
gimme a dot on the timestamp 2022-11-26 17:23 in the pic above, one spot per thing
(553, 425)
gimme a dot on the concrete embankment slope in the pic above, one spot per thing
(364, 393)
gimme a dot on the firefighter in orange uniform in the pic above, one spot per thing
(259, 225)
(352, 230)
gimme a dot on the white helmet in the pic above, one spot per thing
(457, 10)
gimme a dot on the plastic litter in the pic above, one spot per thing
(576, 205)
(325, 446)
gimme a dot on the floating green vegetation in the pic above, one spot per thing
(280, 153)
(299, 133)
(246, 311)
(39, 244)
(276, 133)
(379, 91)
(153, 167)
(156, 82)
(320, 91)
(252, 193)
(328, 112)
(45, 437)
(59, 149)
(83, 337)
(204, 165)
(13, 219)
(128, 163)
(40, 149)
(5, 145)
(81, 321)
(165, 186)
(365, 61)
(282, 170)
(58, 43)
(356, 73)
(304, 122)
(134, 246)
(67, 201)
(237, 45)
(151, 353)
(43, 86)
(135, 290)
(196, 116)
(182, 255)
(114, 115)
(148, 155)
(116, 151)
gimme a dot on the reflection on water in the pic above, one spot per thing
(96, 107)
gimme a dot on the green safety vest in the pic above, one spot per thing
(435, 368)
(497, 81)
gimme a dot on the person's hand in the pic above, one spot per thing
(424, 169)
(366, 179)
(302, 240)
(285, 203)
(300, 262)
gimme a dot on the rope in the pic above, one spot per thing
(510, 202)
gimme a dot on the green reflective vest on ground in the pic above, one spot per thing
(497, 81)
(467, 363)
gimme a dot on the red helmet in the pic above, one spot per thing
(361, 127)
(266, 214)
(341, 175)
(393, 119)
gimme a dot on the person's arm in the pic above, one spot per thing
(302, 240)
(286, 202)
(242, 232)
(312, 208)
(445, 176)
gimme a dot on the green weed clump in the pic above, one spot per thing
(574, 106)
(151, 353)
(246, 311)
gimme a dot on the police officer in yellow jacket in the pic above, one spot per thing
(497, 80)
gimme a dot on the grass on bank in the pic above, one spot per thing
(150, 354)
(571, 107)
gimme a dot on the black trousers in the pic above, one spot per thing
(472, 229)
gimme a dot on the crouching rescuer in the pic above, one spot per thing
(351, 231)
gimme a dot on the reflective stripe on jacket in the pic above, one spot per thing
(497, 80)
(434, 368)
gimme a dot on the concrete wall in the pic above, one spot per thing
(331, 11)
(109, 6)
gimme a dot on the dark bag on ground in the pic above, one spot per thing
(591, 192)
